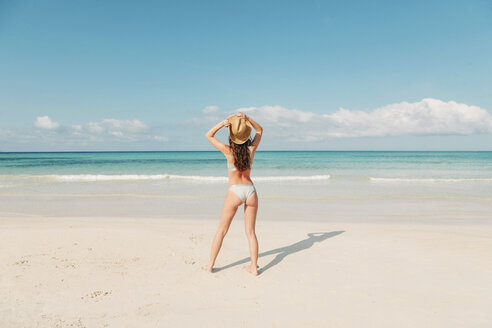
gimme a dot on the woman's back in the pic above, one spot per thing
(236, 176)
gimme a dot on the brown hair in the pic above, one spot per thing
(242, 159)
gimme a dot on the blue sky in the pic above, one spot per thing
(138, 75)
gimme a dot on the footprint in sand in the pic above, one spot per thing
(189, 261)
(57, 322)
(96, 295)
(196, 238)
(63, 263)
(20, 262)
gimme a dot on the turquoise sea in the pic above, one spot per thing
(162, 183)
(94, 166)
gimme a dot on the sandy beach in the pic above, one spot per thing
(144, 272)
(356, 135)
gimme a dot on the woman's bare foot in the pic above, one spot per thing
(253, 270)
(208, 268)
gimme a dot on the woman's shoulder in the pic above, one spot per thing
(227, 151)
(229, 157)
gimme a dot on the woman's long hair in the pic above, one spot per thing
(242, 160)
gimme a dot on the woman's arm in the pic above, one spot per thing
(258, 129)
(211, 133)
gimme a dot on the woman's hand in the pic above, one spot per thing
(226, 123)
(242, 115)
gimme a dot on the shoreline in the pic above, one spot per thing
(260, 150)
(445, 221)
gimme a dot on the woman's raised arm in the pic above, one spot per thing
(211, 133)
(257, 127)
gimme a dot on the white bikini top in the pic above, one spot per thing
(231, 167)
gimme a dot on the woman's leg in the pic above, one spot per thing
(250, 210)
(231, 203)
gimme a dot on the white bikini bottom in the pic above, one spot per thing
(243, 191)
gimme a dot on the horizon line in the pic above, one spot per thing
(280, 150)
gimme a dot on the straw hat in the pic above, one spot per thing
(239, 130)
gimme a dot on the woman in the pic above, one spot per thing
(239, 155)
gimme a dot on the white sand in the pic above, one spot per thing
(102, 272)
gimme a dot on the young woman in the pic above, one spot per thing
(239, 155)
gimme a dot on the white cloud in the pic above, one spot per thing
(95, 128)
(426, 117)
(95, 132)
(113, 127)
(44, 122)
(135, 126)
(117, 134)
(210, 109)
(279, 115)
(160, 138)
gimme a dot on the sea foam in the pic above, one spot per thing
(431, 180)
(137, 177)
(130, 177)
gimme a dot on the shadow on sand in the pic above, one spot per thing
(282, 252)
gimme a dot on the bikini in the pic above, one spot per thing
(243, 191)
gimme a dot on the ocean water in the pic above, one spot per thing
(173, 183)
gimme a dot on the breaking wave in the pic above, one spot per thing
(143, 177)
